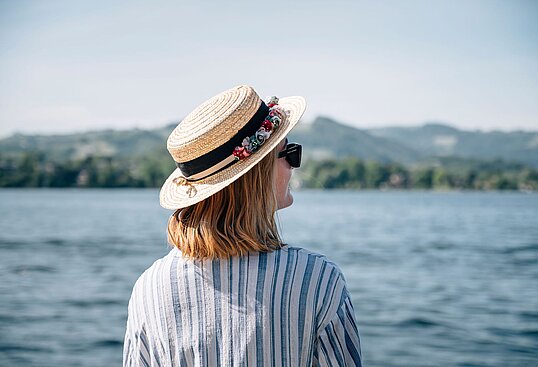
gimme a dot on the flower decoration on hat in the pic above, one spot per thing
(252, 143)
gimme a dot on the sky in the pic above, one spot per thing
(72, 66)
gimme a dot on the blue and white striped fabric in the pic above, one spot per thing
(289, 307)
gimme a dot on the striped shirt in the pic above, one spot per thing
(290, 307)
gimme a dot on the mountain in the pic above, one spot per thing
(323, 138)
(103, 143)
(326, 138)
(435, 139)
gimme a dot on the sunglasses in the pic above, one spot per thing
(292, 153)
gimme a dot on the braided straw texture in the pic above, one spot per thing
(213, 123)
(176, 193)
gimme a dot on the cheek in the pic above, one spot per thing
(283, 176)
(283, 173)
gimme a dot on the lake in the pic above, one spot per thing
(437, 278)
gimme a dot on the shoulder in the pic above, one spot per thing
(321, 273)
(315, 259)
(159, 270)
(328, 281)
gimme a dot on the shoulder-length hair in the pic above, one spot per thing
(232, 222)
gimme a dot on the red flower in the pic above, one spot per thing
(240, 152)
(276, 112)
(267, 125)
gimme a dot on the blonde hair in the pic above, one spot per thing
(234, 221)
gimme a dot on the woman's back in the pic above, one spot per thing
(231, 293)
(289, 307)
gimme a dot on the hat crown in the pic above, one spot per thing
(213, 123)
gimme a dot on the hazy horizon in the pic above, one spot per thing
(91, 130)
(73, 67)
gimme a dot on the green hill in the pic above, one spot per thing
(324, 138)
(434, 139)
(102, 143)
(432, 156)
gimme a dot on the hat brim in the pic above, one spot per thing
(177, 196)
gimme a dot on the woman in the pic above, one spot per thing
(230, 293)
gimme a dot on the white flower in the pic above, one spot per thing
(272, 100)
(262, 135)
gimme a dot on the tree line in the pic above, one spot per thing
(354, 173)
(33, 169)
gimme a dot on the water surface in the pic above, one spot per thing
(436, 278)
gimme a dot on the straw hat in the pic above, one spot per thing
(209, 145)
